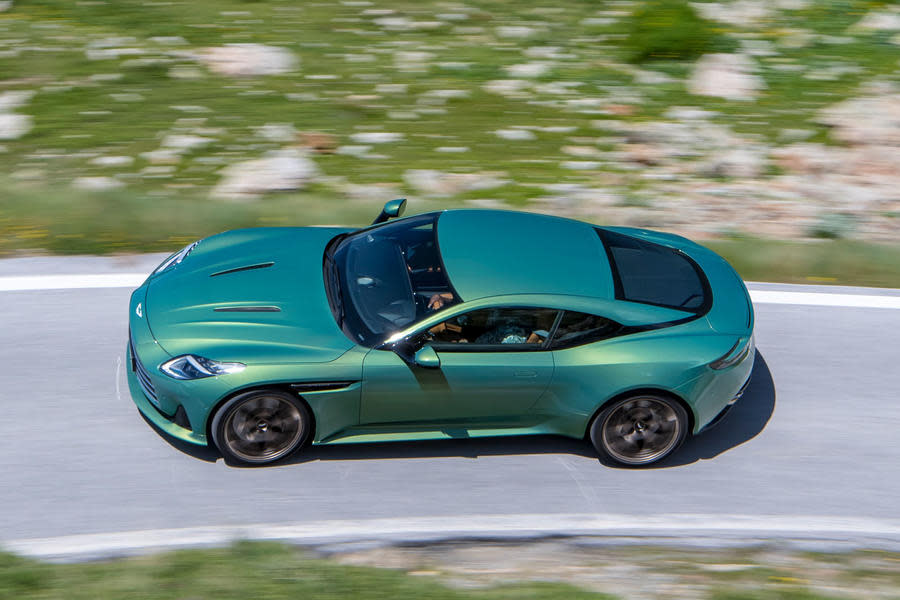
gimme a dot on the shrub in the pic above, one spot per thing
(670, 30)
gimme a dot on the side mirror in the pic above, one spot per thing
(427, 358)
(392, 208)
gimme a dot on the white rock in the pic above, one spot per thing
(531, 69)
(280, 170)
(402, 115)
(185, 142)
(520, 135)
(506, 87)
(350, 150)
(514, 31)
(579, 165)
(688, 113)
(186, 72)
(729, 76)
(277, 132)
(546, 52)
(411, 60)
(112, 161)
(97, 184)
(439, 183)
(412, 56)
(598, 21)
(190, 108)
(646, 77)
(453, 65)
(737, 12)
(13, 126)
(879, 21)
(162, 156)
(446, 94)
(391, 88)
(809, 158)
(394, 23)
(10, 101)
(376, 137)
(169, 40)
(737, 162)
(106, 76)
(127, 97)
(247, 60)
(5, 5)
(581, 151)
(865, 121)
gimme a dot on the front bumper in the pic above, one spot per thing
(178, 408)
(178, 423)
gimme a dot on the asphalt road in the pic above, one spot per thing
(816, 436)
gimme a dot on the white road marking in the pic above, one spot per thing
(824, 299)
(71, 282)
(133, 280)
(870, 532)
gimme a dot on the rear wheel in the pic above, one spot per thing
(639, 430)
(260, 427)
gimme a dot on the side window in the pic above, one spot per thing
(501, 328)
(577, 328)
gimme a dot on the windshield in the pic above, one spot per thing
(383, 279)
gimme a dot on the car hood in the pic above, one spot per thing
(252, 295)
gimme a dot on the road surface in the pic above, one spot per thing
(813, 449)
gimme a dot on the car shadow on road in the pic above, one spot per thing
(199, 452)
(744, 422)
(459, 448)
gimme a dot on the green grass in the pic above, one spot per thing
(126, 105)
(246, 570)
(272, 571)
(827, 261)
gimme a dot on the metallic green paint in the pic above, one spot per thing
(528, 254)
(493, 258)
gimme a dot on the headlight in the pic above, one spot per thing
(175, 258)
(190, 366)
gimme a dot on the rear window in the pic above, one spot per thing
(653, 274)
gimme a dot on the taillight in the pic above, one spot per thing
(735, 355)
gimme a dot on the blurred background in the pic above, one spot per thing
(768, 130)
(133, 126)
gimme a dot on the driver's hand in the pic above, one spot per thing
(437, 301)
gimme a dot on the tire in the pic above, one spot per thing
(639, 430)
(260, 427)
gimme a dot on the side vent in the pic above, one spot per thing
(247, 309)
(321, 386)
(264, 265)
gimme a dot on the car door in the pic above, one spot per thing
(494, 366)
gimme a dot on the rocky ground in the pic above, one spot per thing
(787, 127)
(640, 572)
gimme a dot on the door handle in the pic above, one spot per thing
(524, 373)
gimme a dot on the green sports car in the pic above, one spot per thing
(453, 324)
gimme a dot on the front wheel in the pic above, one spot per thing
(260, 427)
(639, 430)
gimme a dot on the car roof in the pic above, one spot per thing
(499, 252)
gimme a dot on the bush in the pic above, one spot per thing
(671, 30)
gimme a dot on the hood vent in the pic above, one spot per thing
(244, 268)
(247, 309)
